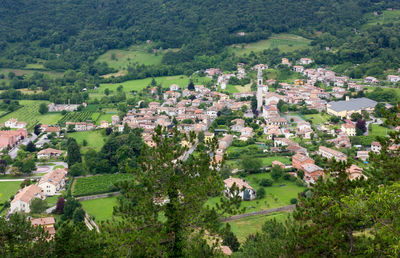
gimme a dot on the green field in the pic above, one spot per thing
(98, 184)
(377, 130)
(277, 195)
(31, 71)
(105, 117)
(8, 189)
(138, 85)
(385, 18)
(318, 118)
(101, 209)
(95, 139)
(242, 228)
(284, 42)
(137, 54)
(29, 113)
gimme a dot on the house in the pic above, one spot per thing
(354, 172)
(14, 124)
(47, 224)
(330, 154)
(345, 108)
(104, 124)
(349, 129)
(371, 79)
(244, 188)
(22, 200)
(225, 142)
(238, 126)
(393, 78)
(115, 120)
(278, 163)
(208, 136)
(362, 155)
(312, 172)
(50, 129)
(305, 61)
(299, 160)
(376, 147)
(285, 61)
(304, 130)
(174, 87)
(52, 182)
(9, 139)
(246, 133)
(298, 68)
(49, 153)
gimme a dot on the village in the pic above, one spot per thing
(293, 128)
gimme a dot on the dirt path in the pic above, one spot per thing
(263, 212)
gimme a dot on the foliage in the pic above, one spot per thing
(266, 182)
(229, 239)
(38, 205)
(97, 184)
(43, 109)
(60, 205)
(77, 169)
(78, 215)
(276, 172)
(251, 165)
(260, 193)
(74, 154)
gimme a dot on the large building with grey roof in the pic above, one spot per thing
(345, 108)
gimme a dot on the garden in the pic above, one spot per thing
(97, 184)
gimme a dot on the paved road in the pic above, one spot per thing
(14, 151)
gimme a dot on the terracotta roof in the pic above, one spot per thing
(239, 183)
(27, 194)
(49, 151)
(54, 177)
(43, 221)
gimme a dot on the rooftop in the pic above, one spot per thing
(352, 104)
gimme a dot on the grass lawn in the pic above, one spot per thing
(101, 209)
(52, 201)
(277, 195)
(268, 160)
(138, 85)
(106, 117)
(95, 139)
(318, 118)
(284, 42)
(377, 130)
(8, 189)
(29, 113)
(242, 228)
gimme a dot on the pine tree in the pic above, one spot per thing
(74, 154)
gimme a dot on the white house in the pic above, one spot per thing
(13, 123)
(306, 61)
(242, 185)
(49, 153)
(393, 78)
(376, 147)
(52, 182)
(22, 199)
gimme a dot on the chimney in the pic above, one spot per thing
(347, 98)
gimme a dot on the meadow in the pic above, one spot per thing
(385, 18)
(319, 118)
(377, 130)
(94, 138)
(284, 42)
(136, 54)
(242, 228)
(277, 195)
(138, 85)
(29, 113)
(8, 189)
(101, 209)
(97, 184)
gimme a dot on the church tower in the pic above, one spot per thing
(259, 89)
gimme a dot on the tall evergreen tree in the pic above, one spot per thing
(74, 153)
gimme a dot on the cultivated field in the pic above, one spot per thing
(82, 116)
(101, 209)
(29, 113)
(97, 184)
(385, 18)
(284, 42)
(95, 139)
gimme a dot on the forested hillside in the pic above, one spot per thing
(69, 33)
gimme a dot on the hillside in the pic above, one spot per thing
(67, 34)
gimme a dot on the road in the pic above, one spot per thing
(262, 212)
(14, 151)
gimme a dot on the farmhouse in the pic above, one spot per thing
(393, 78)
(22, 199)
(14, 124)
(305, 61)
(376, 147)
(244, 188)
(345, 108)
(49, 153)
(349, 129)
(50, 129)
(52, 182)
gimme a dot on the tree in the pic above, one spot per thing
(260, 193)
(77, 170)
(251, 165)
(60, 205)
(229, 238)
(19, 238)
(361, 127)
(27, 166)
(78, 215)
(107, 92)
(31, 147)
(43, 109)
(200, 136)
(3, 166)
(266, 182)
(186, 185)
(276, 172)
(355, 117)
(38, 205)
(334, 119)
(69, 207)
(293, 201)
(74, 154)
(37, 130)
(190, 85)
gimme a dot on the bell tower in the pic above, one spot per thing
(259, 89)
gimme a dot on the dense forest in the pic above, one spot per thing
(72, 34)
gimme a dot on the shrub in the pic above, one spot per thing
(260, 193)
(266, 182)
(293, 201)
